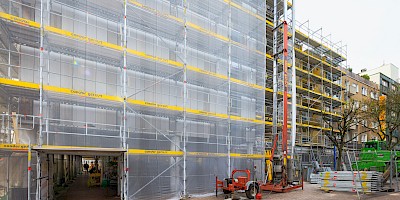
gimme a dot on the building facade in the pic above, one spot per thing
(177, 86)
(388, 70)
(360, 90)
(385, 83)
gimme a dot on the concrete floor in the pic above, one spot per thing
(79, 190)
(311, 192)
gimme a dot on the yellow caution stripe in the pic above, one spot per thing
(202, 71)
(82, 93)
(155, 152)
(150, 152)
(154, 105)
(252, 156)
(17, 83)
(83, 38)
(19, 20)
(14, 146)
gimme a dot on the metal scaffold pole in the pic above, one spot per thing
(29, 170)
(275, 78)
(294, 82)
(229, 88)
(184, 95)
(124, 144)
(41, 66)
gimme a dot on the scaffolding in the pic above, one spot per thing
(178, 84)
(314, 87)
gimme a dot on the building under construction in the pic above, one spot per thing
(174, 91)
(318, 88)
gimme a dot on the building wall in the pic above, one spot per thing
(388, 70)
(360, 90)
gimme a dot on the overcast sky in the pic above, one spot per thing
(370, 28)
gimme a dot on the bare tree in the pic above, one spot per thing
(350, 115)
(384, 113)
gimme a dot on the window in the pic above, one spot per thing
(364, 91)
(355, 86)
(393, 87)
(374, 125)
(364, 108)
(373, 95)
(356, 104)
(385, 83)
(364, 138)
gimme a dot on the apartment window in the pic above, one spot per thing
(364, 91)
(356, 86)
(393, 87)
(364, 138)
(356, 104)
(373, 95)
(385, 83)
(364, 108)
(374, 125)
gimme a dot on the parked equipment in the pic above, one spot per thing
(375, 157)
(235, 183)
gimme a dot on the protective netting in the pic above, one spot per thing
(212, 51)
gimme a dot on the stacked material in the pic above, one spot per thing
(315, 178)
(363, 181)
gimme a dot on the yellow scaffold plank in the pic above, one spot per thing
(253, 156)
(69, 91)
(154, 105)
(17, 83)
(81, 93)
(149, 152)
(202, 71)
(19, 20)
(21, 147)
(318, 59)
(306, 54)
(307, 90)
(155, 152)
(83, 38)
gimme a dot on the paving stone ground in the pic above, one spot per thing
(80, 190)
(311, 192)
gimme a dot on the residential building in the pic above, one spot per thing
(385, 83)
(388, 70)
(360, 90)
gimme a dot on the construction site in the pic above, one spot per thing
(163, 99)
